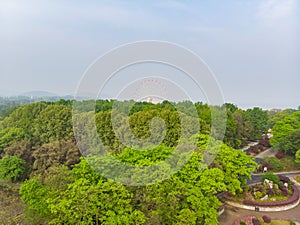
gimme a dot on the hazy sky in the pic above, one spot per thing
(253, 47)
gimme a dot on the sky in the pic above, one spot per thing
(251, 46)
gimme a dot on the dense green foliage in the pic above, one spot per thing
(270, 176)
(64, 189)
(286, 133)
(12, 169)
(82, 196)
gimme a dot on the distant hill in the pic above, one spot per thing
(38, 94)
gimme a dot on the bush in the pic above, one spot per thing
(277, 191)
(285, 192)
(242, 223)
(258, 194)
(270, 176)
(255, 221)
(284, 179)
(279, 155)
(292, 223)
(265, 142)
(270, 191)
(12, 169)
(266, 219)
(255, 149)
(282, 188)
(265, 164)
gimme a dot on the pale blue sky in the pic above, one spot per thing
(251, 46)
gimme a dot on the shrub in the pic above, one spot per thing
(279, 155)
(265, 142)
(277, 191)
(255, 221)
(284, 179)
(292, 223)
(266, 219)
(285, 192)
(265, 164)
(270, 191)
(282, 188)
(258, 194)
(12, 169)
(242, 223)
(255, 149)
(270, 176)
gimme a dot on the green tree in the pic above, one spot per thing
(12, 169)
(23, 118)
(80, 196)
(53, 123)
(277, 115)
(10, 135)
(237, 167)
(286, 133)
(259, 118)
(36, 197)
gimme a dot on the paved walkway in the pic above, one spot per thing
(267, 153)
(232, 213)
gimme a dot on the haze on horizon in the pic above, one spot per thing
(251, 46)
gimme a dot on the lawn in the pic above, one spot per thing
(274, 199)
(289, 163)
(279, 222)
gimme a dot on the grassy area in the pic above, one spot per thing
(298, 178)
(275, 199)
(289, 163)
(279, 222)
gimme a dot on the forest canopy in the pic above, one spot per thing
(61, 187)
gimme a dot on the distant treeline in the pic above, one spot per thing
(242, 125)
